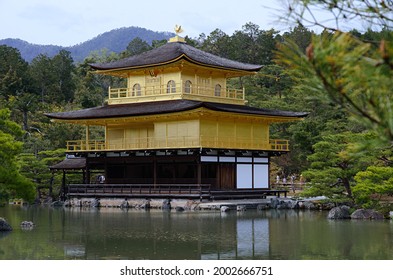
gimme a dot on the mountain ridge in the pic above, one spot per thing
(115, 40)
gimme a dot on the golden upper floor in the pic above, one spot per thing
(176, 71)
(193, 88)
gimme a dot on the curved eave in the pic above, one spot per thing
(120, 71)
(101, 115)
(276, 116)
(103, 121)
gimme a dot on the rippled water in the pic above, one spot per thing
(108, 233)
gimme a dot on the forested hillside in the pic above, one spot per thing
(323, 146)
(112, 41)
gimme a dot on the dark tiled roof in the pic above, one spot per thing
(172, 52)
(70, 163)
(162, 107)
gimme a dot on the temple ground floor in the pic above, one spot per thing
(169, 172)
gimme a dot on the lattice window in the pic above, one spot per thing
(171, 87)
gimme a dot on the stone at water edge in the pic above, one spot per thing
(4, 226)
(166, 204)
(274, 202)
(366, 214)
(224, 209)
(124, 204)
(179, 209)
(261, 207)
(340, 212)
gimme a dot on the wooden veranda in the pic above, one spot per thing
(171, 191)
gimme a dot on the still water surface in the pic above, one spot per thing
(116, 234)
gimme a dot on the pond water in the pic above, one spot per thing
(111, 233)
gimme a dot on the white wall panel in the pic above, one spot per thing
(244, 176)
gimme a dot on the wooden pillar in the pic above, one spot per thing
(84, 176)
(154, 171)
(199, 171)
(106, 137)
(87, 176)
(219, 175)
(106, 170)
(87, 137)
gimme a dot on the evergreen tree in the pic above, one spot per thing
(334, 164)
(12, 183)
(372, 184)
(13, 73)
(64, 69)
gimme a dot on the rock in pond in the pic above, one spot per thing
(57, 203)
(339, 212)
(95, 203)
(274, 202)
(179, 209)
(4, 226)
(166, 204)
(146, 204)
(224, 209)
(124, 204)
(366, 214)
(261, 207)
(27, 225)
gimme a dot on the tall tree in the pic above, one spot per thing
(64, 70)
(12, 183)
(300, 35)
(43, 77)
(217, 42)
(25, 103)
(13, 72)
(54, 77)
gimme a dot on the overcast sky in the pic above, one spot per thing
(69, 22)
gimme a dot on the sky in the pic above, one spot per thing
(69, 22)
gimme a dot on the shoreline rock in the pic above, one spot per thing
(166, 205)
(339, 212)
(366, 214)
(4, 225)
(278, 203)
(224, 209)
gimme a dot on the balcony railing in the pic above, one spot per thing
(162, 92)
(177, 142)
(82, 145)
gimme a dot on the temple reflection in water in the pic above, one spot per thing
(167, 235)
